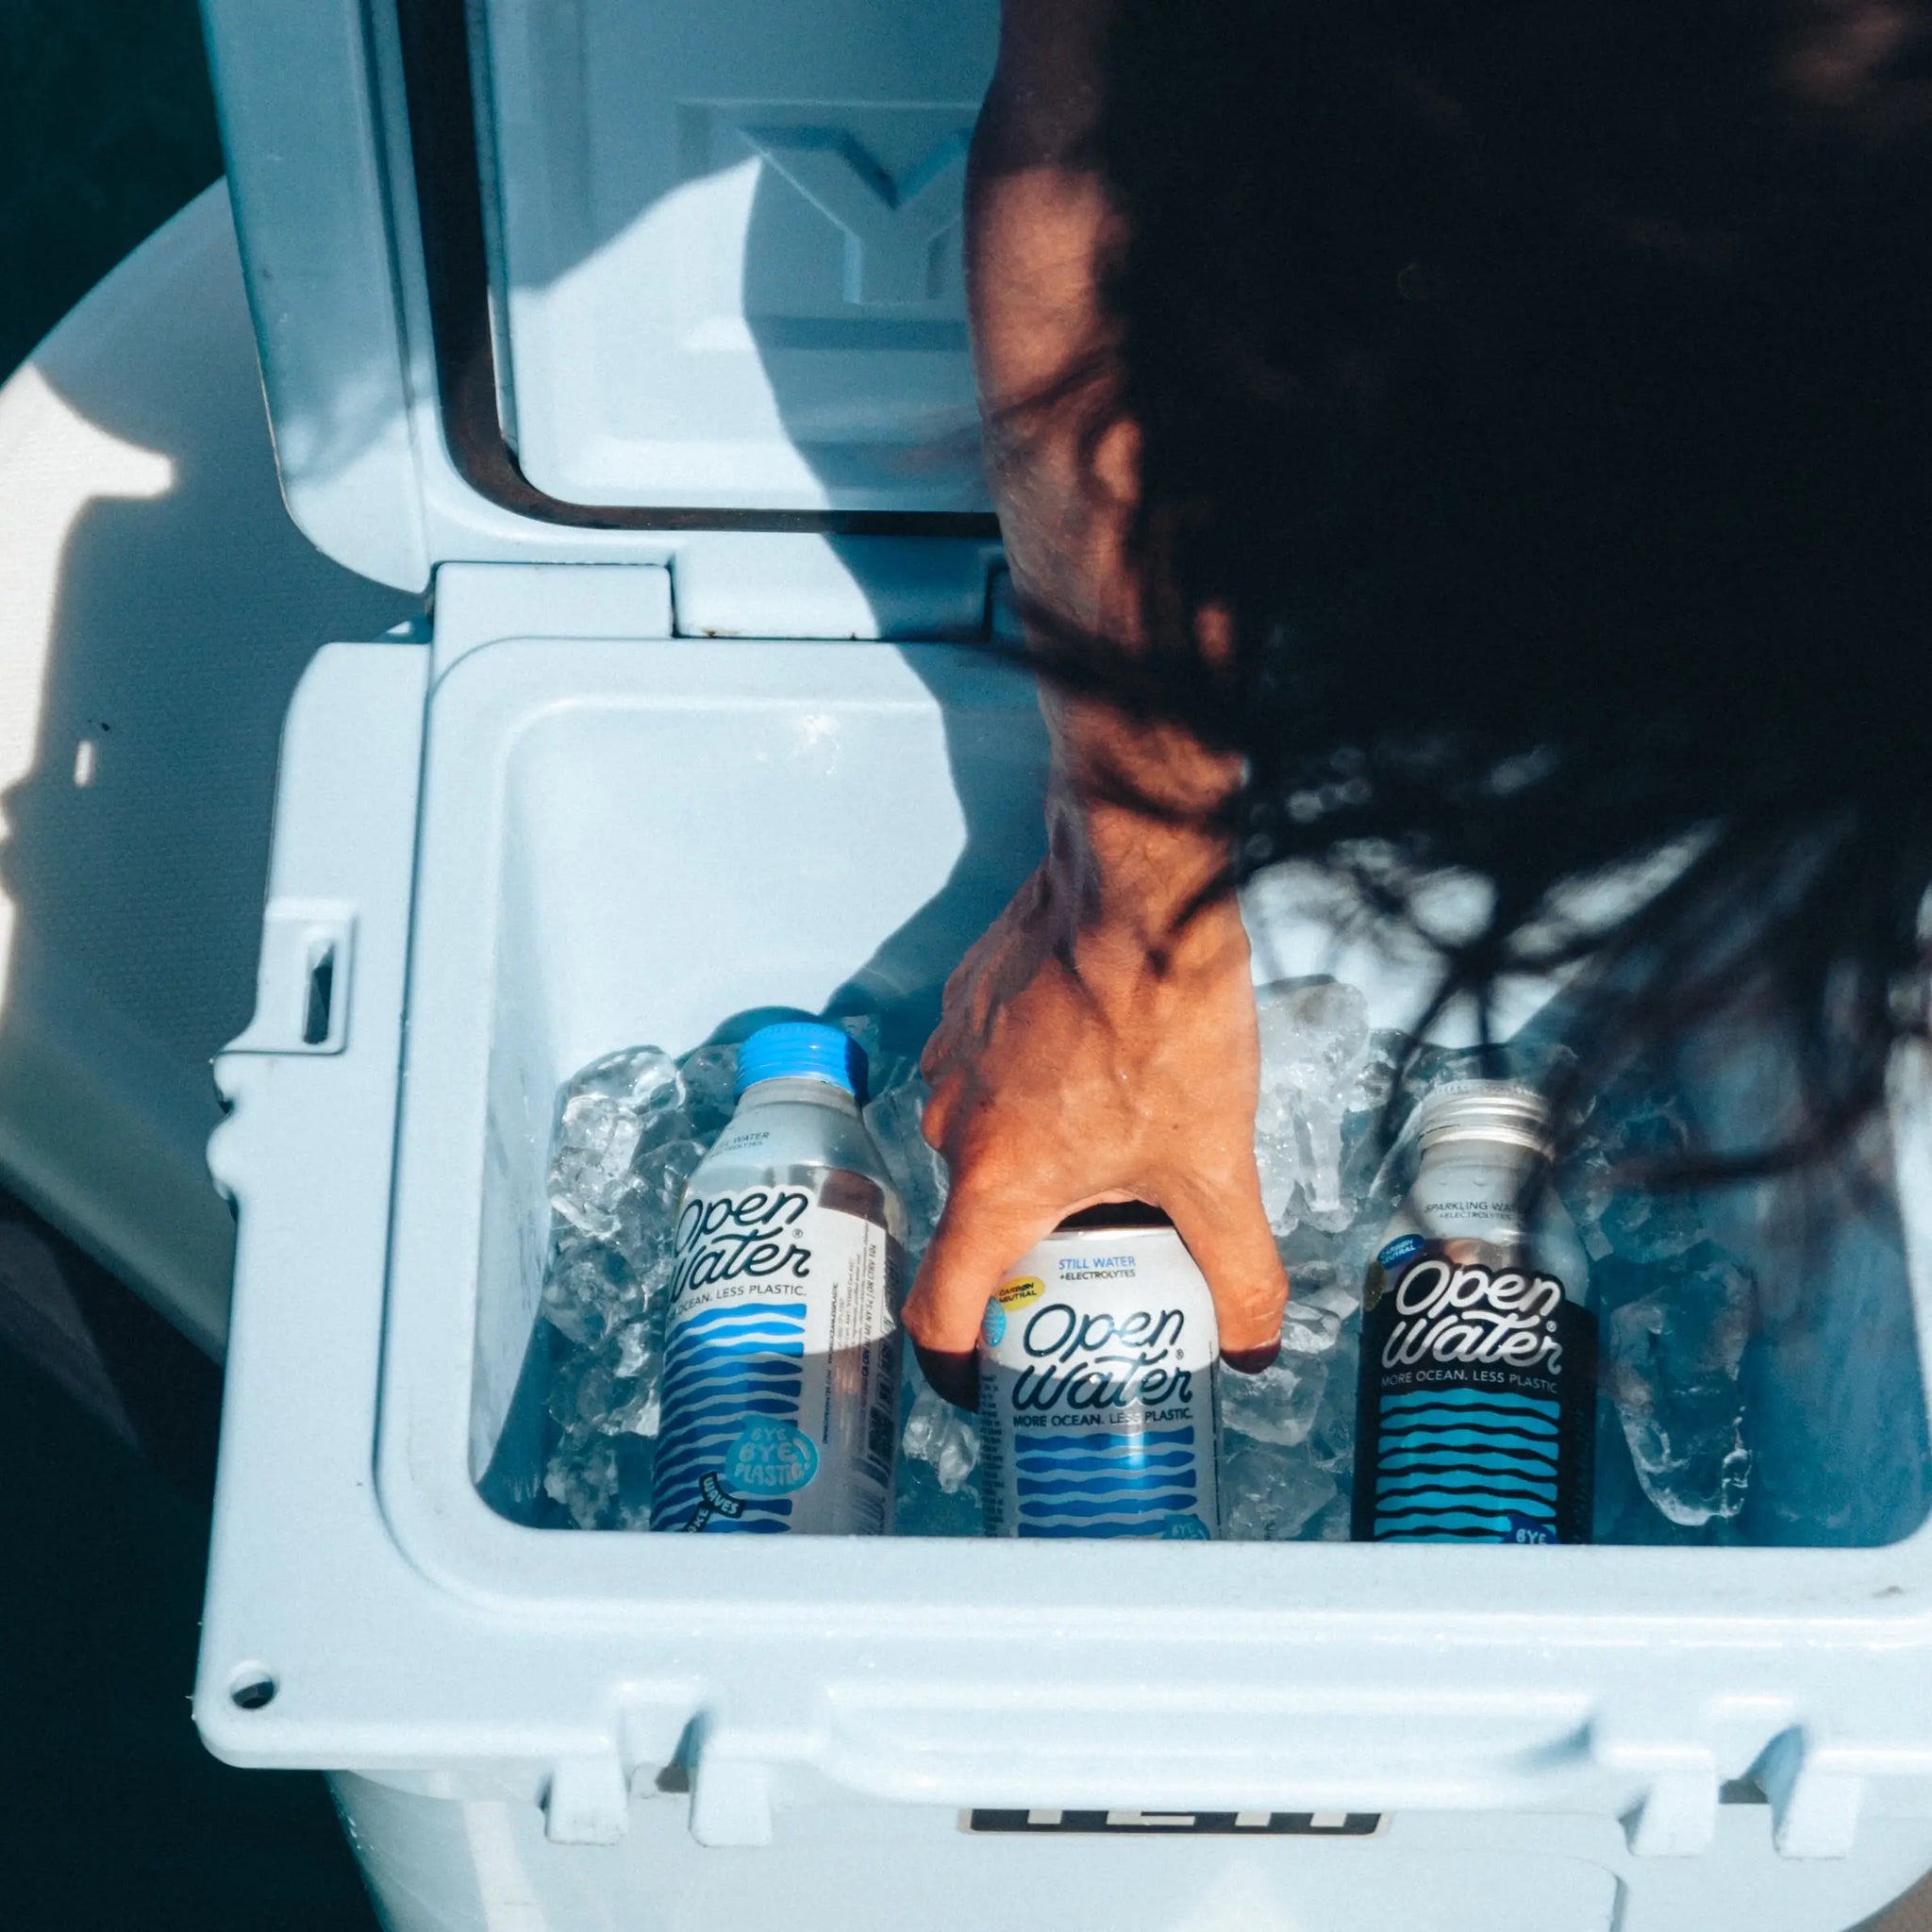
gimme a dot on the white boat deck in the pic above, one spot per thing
(156, 606)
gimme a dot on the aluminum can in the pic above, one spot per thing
(1097, 1362)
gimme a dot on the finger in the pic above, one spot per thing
(933, 1117)
(934, 1123)
(969, 987)
(954, 1372)
(1227, 1234)
(976, 1243)
(941, 1047)
(951, 1042)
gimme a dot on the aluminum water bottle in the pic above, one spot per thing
(781, 1347)
(1096, 1386)
(1477, 1413)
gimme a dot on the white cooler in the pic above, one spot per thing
(636, 329)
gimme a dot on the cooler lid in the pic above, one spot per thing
(557, 278)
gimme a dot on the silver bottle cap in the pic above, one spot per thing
(1494, 1110)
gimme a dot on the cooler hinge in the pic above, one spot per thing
(478, 604)
(783, 584)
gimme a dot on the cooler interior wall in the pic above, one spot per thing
(671, 869)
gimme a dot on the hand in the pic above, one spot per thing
(1085, 1056)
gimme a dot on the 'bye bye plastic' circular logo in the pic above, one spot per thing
(771, 1457)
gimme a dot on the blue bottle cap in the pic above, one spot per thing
(802, 1050)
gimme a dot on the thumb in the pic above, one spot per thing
(976, 1240)
(1228, 1236)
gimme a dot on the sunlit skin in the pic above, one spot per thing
(1099, 1042)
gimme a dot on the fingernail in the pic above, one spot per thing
(1251, 1362)
(954, 1372)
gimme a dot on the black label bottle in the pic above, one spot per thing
(1478, 1410)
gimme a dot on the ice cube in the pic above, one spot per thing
(1332, 1524)
(1587, 1188)
(944, 1436)
(577, 1390)
(588, 1289)
(1341, 1298)
(612, 1111)
(647, 1216)
(1279, 1404)
(641, 1079)
(629, 1399)
(634, 1408)
(591, 1164)
(1331, 1441)
(1312, 1322)
(1610, 1181)
(1279, 1159)
(933, 1444)
(602, 1482)
(584, 1481)
(1673, 1361)
(867, 1032)
(710, 1077)
(1646, 1225)
(1273, 1493)
(637, 1351)
(1380, 1070)
(1314, 1047)
(917, 1173)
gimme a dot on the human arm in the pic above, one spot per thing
(1099, 1042)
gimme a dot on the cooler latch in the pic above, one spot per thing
(302, 987)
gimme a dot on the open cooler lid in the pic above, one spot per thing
(560, 279)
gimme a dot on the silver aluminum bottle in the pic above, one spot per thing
(781, 1354)
(1097, 1362)
(1477, 1413)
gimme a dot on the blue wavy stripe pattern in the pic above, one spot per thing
(742, 1360)
(1471, 1398)
(1104, 1483)
(1464, 1464)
